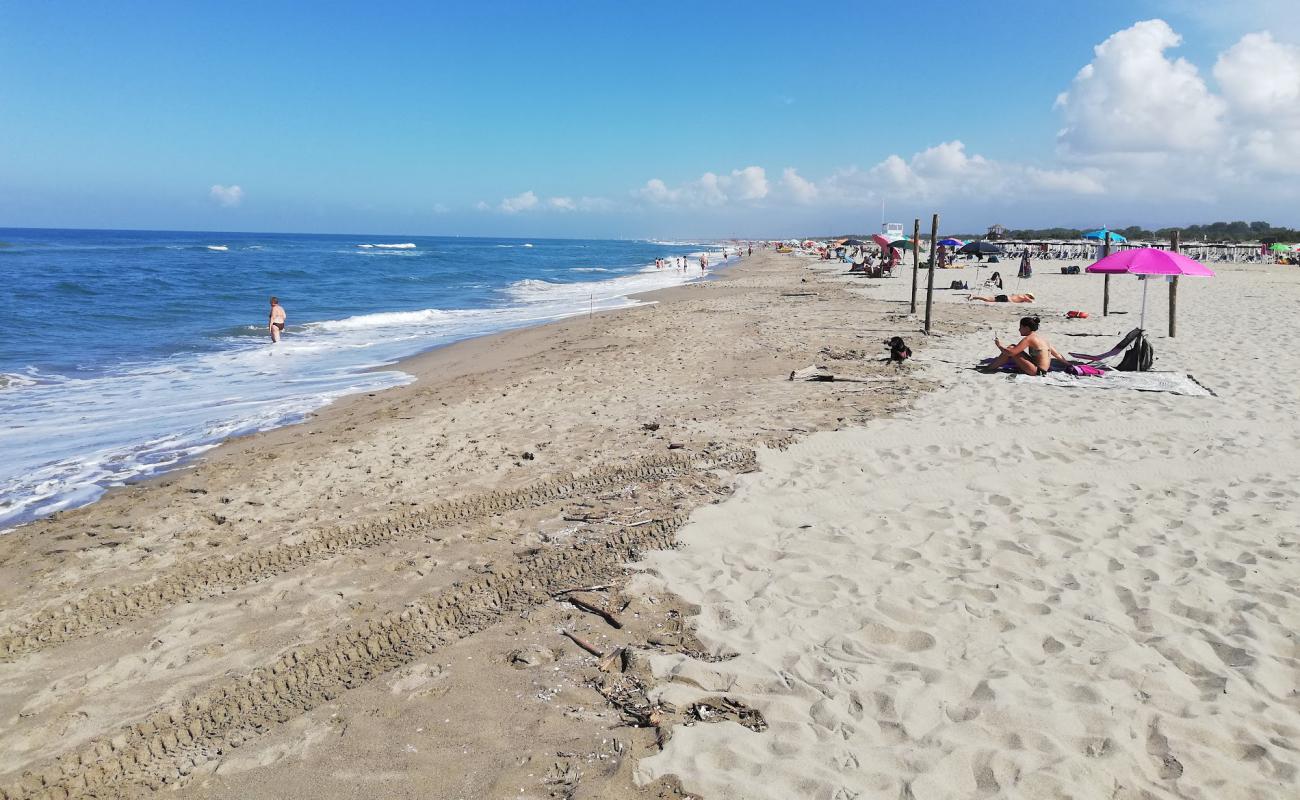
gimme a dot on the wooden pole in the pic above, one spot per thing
(916, 257)
(929, 286)
(1173, 292)
(1105, 291)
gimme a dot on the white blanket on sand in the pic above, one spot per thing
(1172, 382)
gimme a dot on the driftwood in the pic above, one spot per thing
(584, 644)
(581, 589)
(612, 661)
(598, 611)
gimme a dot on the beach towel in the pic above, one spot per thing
(1170, 382)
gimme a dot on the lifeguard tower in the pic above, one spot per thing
(892, 231)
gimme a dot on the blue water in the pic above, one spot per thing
(123, 353)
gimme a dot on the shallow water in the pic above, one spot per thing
(123, 353)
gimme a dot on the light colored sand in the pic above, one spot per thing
(1016, 590)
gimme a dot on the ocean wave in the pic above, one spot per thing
(384, 319)
(527, 245)
(402, 246)
(218, 247)
(9, 380)
(589, 269)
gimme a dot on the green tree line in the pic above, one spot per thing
(1239, 231)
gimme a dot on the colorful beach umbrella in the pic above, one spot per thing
(902, 244)
(1100, 235)
(1147, 261)
(951, 242)
(1280, 248)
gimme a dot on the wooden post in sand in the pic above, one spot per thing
(929, 286)
(1173, 291)
(1105, 290)
(916, 257)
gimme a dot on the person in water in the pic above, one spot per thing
(1003, 298)
(1032, 355)
(275, 322)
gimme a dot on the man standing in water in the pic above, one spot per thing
(275, 323)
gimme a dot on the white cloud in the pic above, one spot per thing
(1154, 123)
(749, 183)
(1260, 77)
(710, 189)
(440, 208)
(800, 189)
(520, 202)
(226, 196)
(1133, 99)
(940, 173)
(530, 202)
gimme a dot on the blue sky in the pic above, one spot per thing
(548, 118)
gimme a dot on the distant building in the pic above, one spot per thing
(996, 232)
(892, 230)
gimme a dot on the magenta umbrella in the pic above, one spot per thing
(1145, 261)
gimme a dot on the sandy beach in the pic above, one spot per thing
(1015, 590)
(399, 537)
(921, 582)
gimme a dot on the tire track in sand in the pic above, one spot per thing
(103, 609)
(161, 750)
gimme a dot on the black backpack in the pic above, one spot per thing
(1138, 357)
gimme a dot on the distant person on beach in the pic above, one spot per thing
(275, 322)
(1003, 298)
(1032, 355)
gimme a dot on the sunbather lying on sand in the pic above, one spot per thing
(1032, 355)
(1003, 298)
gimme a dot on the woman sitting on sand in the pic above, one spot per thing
(1032, 355)
(1003, 298)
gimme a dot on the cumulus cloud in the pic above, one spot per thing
(1158, 122)
(1260, 77)
(520, 202)
(745, 185)
(1132, 98)
(800, 189)
(530, 201)
(944, 172)
(226, 196)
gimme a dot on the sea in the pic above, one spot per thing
(127, 353)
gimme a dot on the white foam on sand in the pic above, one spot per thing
(1013, 591)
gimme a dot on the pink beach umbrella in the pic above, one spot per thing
(1147, 261)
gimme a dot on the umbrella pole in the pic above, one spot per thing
(1105, 289)
(1142, 318)
(1173, 292)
